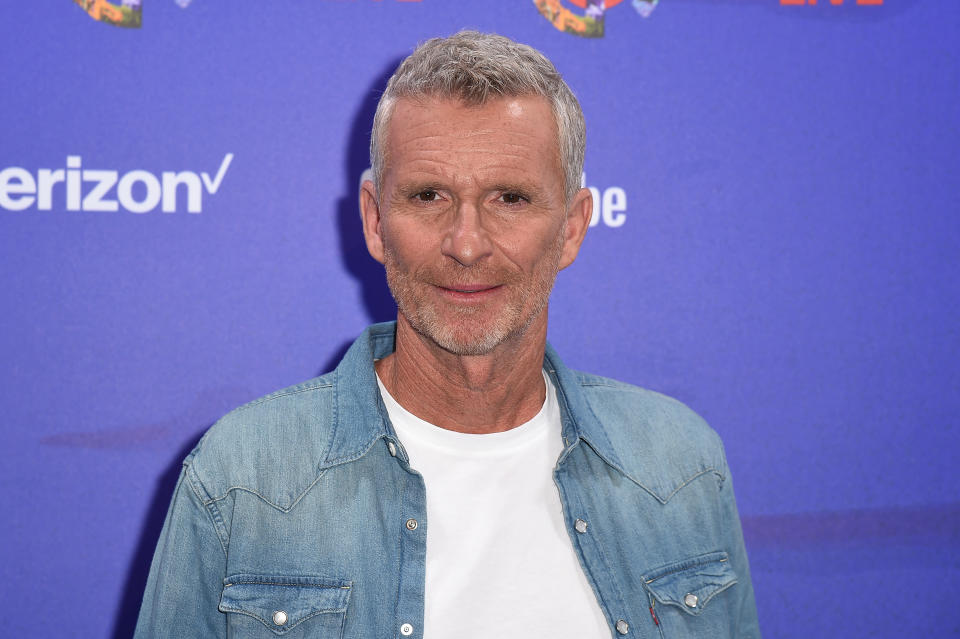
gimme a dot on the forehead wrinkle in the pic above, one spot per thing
(439, 168)
(497, 170)
(445, 157)
(441, 127)
(508, 134)
(428, 146)
(517, 150)
(502, 154)
(455, 142)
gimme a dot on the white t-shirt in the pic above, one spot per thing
(499, 559)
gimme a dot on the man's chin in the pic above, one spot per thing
(466, 334)
(463, 342)
(467, 331)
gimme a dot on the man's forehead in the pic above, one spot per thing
(528, 119)
(440, 134)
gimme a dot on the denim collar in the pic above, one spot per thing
(360, 418)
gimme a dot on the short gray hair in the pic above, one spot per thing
(476, 67)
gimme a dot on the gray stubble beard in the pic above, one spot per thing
(425, 319)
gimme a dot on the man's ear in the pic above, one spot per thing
(578, 221)
(370, 217)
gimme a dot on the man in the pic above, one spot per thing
(451, 478)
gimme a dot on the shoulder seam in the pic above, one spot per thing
(196, 485)
(296, 390)
(613, 384)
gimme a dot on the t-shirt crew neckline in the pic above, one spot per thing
(473, 444)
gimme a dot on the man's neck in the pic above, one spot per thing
(467, 393)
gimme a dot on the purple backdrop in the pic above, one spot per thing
(776, 245)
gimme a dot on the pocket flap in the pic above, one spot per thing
(691, 584)
(281, 603)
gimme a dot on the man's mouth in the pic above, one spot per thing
(469, 291)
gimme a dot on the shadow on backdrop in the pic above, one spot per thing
(136, 581)
(377, 302)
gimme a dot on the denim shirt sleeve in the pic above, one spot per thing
(744, 625)
(186, 576)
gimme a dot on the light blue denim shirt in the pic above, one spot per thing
(298, 515)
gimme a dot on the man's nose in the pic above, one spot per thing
(467, 240)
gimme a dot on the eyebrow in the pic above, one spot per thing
(527, 190)
(414, 186)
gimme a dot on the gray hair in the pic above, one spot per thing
(476, 67)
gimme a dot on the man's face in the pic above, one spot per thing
(472, 224)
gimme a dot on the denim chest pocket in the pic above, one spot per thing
(683, 596)
(284, 606)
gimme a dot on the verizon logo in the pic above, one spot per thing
(81, 189)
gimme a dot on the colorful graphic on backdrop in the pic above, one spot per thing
(836, 3)
(591, 23)
(127, 14)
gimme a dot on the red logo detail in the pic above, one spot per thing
(833, 2)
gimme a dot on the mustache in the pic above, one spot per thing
(465, 277)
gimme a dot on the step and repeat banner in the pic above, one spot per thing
(775, 242)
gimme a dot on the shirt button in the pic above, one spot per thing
(392, 448)
(690, 600)
(280, 617)
(623, 627)
(406, 630)
(580, 526)
(412, 524)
